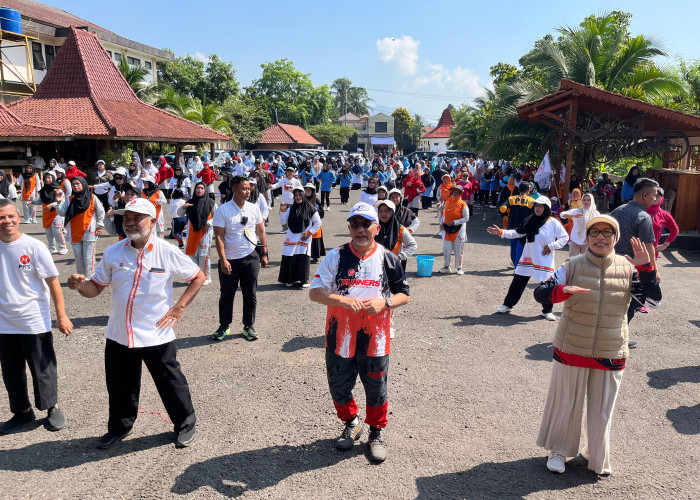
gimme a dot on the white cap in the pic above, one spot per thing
(388, 203)
(395, 191)
(71, 163)
(120, 171)
(139, 206)
(543, 200)
(364, 210)
(148, 178)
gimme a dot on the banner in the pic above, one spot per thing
(544, 173)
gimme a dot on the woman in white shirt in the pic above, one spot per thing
(180, 181)
(369, 194)
(581, 217)
(7, 187)
(302, 221)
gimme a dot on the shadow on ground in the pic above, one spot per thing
(494, 319)
(506, 480)
(233, 475)
(64, 454)
(301, 342)
(90, 321)
(668, 377)
(685, 419)
(540, 352)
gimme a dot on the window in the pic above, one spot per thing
(694, 158)
(380, 127)
(117, 57)
(110, 53)
(38, 56)
(133, 61)
(57, 47)
(50, 55)
(672, 158)
(148, 65)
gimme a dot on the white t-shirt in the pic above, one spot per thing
(24, 295)
(142, 289)
(228, 216)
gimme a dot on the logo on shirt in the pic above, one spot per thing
(25, 263)
(351, 272)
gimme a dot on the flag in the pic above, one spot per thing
(562, 176)
(544, 173)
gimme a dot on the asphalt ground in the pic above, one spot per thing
(466, 393)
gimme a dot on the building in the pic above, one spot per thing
(45, 29)
(285, 136)
(380, 134)
(437, 138)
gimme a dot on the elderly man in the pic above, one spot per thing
(360, 283)
(29, 278)
(140, 327)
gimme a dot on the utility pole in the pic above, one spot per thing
(345, 100)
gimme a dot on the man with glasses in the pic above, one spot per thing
(360, 283)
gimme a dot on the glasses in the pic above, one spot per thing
(608, 233)
(360, 222)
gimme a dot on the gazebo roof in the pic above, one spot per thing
(592, 99)
(283, 133)
(443, 128)
(84, 94)
(12, 128)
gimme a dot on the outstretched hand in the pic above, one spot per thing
(494, 230)
(572, 290)
(641, 257)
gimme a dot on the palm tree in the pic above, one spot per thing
(169, 100)
(350, 99)
(209, 115)
(339, 90)
(358, 101)
(135, 76)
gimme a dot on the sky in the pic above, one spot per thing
(419, 55)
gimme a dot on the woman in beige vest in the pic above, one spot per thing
(590, 347)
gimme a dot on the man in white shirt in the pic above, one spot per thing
(141, 271)
(28, 281)
(239, 230)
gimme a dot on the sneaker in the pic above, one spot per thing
(556, 463)
(305, 285)
(352, 432)
(17, 421)
(377, 446)
(549, 316)
(643, 310)
(283, 231)
(504, 309)
(110, 439)
(221, 332)
(391, 332)
(445, 270)
(181, 245)
(55, 420)
(632, 344)
(207, 282)
(62, 252)
(289, 285)
(328, 209)
(249, 333)
(185, 438)
(460, 272)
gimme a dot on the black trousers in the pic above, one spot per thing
(244, 271)
(344, 194)
(515, 291)
(123, 373)
(425, 202)
(17, 351)
(326, 195)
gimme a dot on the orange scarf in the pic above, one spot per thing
(154, 199)
(453, 211)
(80, 223)
(194, 238)
(445, 188)
(27, 193)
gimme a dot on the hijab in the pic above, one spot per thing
(79, 201)
(254, 191)
(149, 191)
(631, 179)
(532, 223)
(202, 206)
(389, 232)
(48, 192)
(27, 177)
(575, 199)
(373, 190)
(4, 184)
(404, 215)
(300, 215)
(179, 177)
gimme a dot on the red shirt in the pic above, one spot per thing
(207, 175)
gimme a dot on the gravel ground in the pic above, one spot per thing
(466, 391)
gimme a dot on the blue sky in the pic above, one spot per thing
(419, 55)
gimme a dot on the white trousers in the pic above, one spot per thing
(55, 237)
(203, 262)
(580, 399)
(453, 247)
(29, 211)
(84, 252)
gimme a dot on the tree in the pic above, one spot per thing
(332, 136)
(503, 73)
(358, 101)
(209, 115)
(210, 83)
(416, 129)
(246, 119)
(169, 100)
(339, 89)
(350, 99)
(135, 76)
(220, 81)
(402, 126)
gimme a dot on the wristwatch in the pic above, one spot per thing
(388, 303)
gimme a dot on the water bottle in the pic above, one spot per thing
(484, 215)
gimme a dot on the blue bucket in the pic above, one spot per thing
(425, 265)
(10, 20)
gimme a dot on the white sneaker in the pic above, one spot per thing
(62, 252)
(549, 316)
(504, 309)
(305, 285)
(460, 272)
(289, 285)
(445, 270)
(207, 282)
(556, 463)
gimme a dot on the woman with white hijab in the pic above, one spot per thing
(196, 167)
(581, 217)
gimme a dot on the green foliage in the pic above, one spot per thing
(210, 83)
(136, 78)
(209, 115)
(349, 98)
(415, 131)
(504, 73)
(402, 127)
(121, 156)
(246, 119)
(330, 135)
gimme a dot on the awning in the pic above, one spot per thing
(382, 141)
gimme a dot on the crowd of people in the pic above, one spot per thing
(360, 282)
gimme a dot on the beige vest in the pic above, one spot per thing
(594, 324)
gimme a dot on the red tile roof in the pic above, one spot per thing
(283, 133)
(444, 126)
(85, 94)
(13, 128)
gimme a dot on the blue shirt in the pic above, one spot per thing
(327, 179)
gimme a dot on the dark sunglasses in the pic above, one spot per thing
(359, 222)
(608, 233)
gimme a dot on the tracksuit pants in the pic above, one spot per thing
(344, 194)
(84, 252)
(17, 351)
(515, 291)
(244, 271)
(55, 237)
(516, 250)
(342, 375)
(455, 247)
(123, 374)
(28, 211)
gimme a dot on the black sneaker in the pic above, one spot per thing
(249, 333)
(352, 432)
(110, 439)
(632, 344)
(185, 438)
(55, 421)
(221, 332)
(377, 446)
(17, 421)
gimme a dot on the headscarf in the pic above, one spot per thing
(532, 223)
(389, 232)
(575, 199)
(27, 177)
(373, 190)
(654, 210)
(179, 178)
(202, 206)
(300, 214)
(149, 191)
(4, 184)
(254, 191)
(48, 192)
(591, 212)
(631, 179)
(79, 201)
(404, 215)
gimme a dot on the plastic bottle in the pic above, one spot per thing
(484, 215)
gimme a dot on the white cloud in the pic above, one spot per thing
(460, 80)
(403, 52)
(200, 56)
